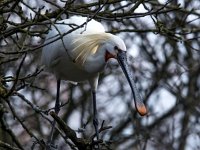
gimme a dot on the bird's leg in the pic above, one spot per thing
(94, 83)
(57, 109)
(95, 116)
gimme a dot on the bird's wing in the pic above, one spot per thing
(81, 25)
(52, 52)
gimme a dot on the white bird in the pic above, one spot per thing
(82, 54)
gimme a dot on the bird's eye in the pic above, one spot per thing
(116, 48)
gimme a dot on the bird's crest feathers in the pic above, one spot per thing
(88, 44)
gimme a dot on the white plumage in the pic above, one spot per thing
(82, 54)
(86, 46)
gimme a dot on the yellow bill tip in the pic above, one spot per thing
(142, 110)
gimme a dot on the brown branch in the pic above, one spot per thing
(78, 10)
(5, 127)
(81, 143)
(8, 146)
(136, 5)
(22, 124)
(101, 129)
(17, 76)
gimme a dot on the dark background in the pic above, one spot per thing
(163, 42)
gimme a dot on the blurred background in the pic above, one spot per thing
(163, 44)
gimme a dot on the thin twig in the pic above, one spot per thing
(8, 146)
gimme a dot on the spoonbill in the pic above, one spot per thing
(82, 54)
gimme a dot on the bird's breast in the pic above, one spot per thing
(94, 64)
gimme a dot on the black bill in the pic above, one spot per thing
(139, 105)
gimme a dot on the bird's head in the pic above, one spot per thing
(113, 46)
(116, 48)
